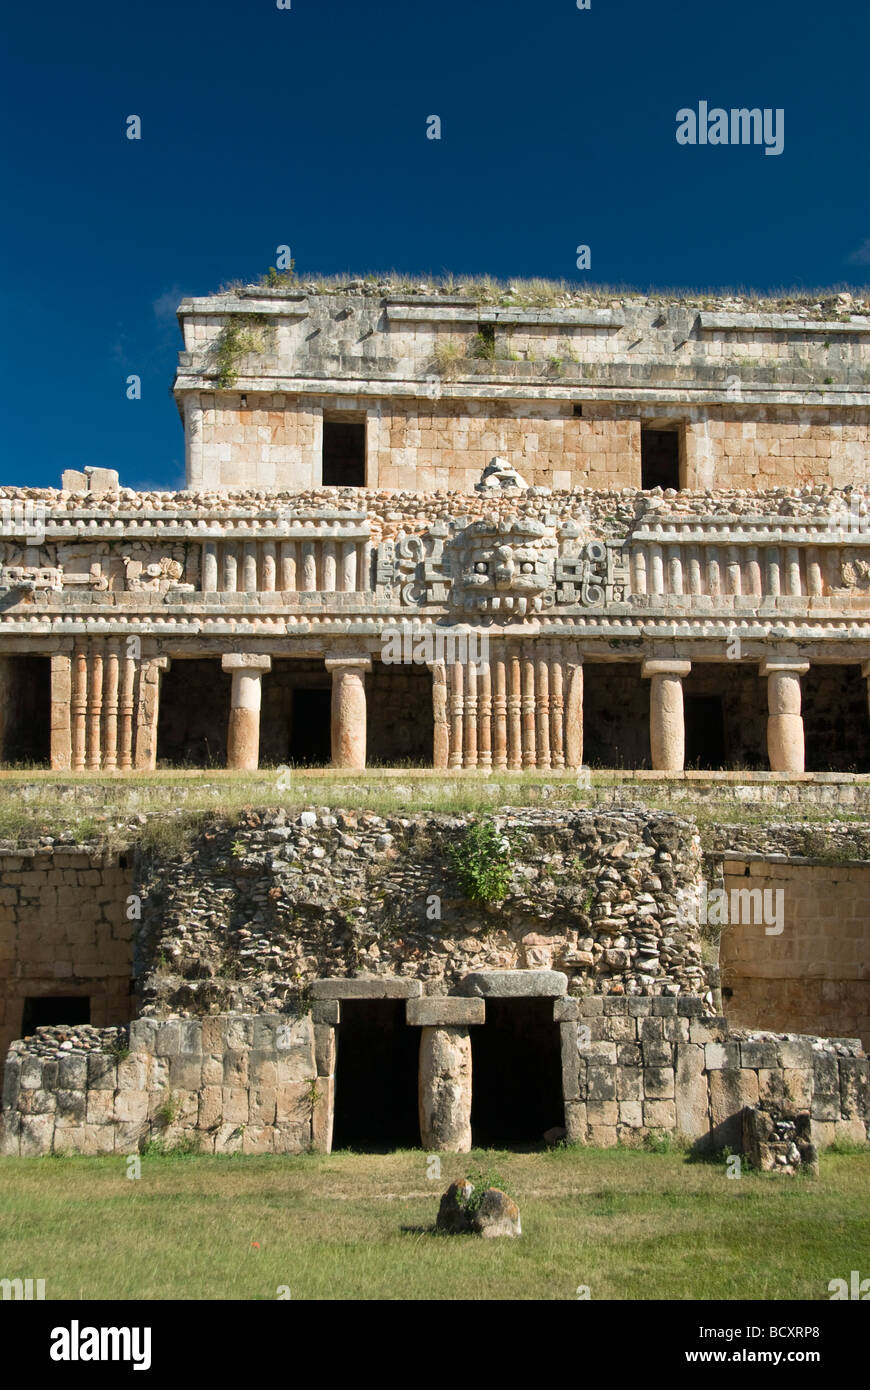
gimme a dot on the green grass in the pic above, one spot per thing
(630, 1225)
(97, 806)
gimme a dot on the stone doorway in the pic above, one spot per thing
(194, 714)
(295, 725)
(516, 1071)
(725, 707)
(399, 718)
(836, 727)
(376, 1077)
(615, 715)
(25, 697)
(705, 732)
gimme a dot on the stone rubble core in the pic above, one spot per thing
(265, 1083)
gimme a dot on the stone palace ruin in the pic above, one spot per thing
(468, 532)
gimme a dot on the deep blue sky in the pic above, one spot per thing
(307, 126)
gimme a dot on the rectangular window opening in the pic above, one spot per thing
(344, 453)
(660, 459)
(54, 1010)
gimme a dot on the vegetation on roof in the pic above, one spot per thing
(837, 301)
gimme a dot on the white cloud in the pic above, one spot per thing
(166, 303)
(862, 255)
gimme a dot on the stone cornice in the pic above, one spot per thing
(509, 388)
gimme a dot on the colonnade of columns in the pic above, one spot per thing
(521, 707)
(105, 696)
(785, 725)
(348, 709)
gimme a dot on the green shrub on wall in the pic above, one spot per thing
(483, 861)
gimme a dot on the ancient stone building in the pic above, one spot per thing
(457, 531)
(666, 566)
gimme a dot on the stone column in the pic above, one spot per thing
(79, 704)
(441, 741)
(785, 725)
(445, 1089)
(126, 705)
(515, 712)
(110, 705)
(61, 697)
(573, 709)
(667, 729)
(150, 671)
(243, 739)
(349, 710)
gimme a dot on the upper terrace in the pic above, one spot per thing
(375, 384)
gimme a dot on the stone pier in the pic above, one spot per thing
(243, 741)
(444, 1094)
(785, 725)
(349, 710)
(667, 728)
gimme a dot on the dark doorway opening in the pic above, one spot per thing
(25, 701)
(399, 719)
(836, 728)
(344, 454)
(310, 728)
(705, 732)
(615, 715)
(659, 458)
(194, 714)
(53, 1010)
(376, 1078)
(516, 1069)
(296, 714)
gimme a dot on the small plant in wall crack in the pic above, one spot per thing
(243, 334)
(483, 861)
(167, 1112)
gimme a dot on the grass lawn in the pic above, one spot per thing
(627, 1224)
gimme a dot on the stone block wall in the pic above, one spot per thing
(427, 446)
(65, 930)
(228, 1084)
(814, 974)
(265, 1083)
(635, 1067)
(436, 410)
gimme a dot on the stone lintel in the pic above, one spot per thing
(359, 660)
(665, 667)
(514, 984)
(245, 661)
(771, 665)
(328, 1011)
(367, 987)
(444, 1011)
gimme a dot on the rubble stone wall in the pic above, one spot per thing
(245, 916)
